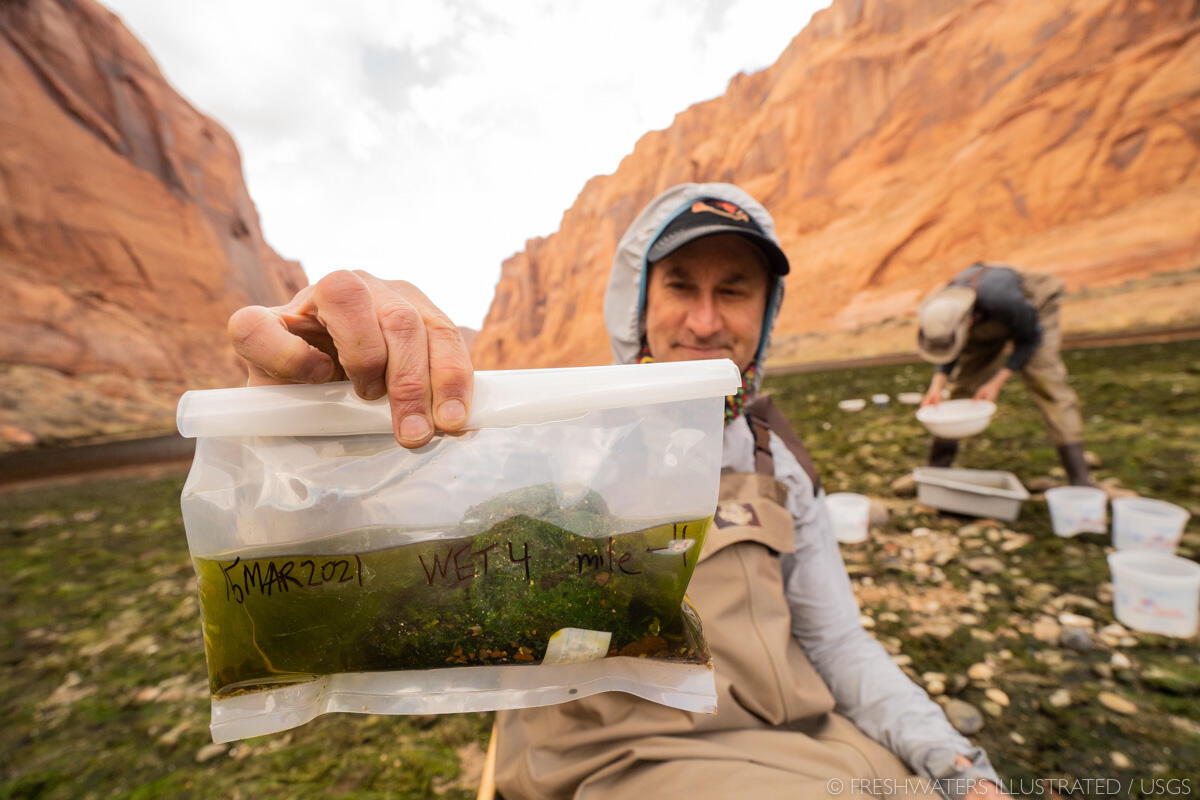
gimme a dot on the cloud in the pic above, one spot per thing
(429, 140)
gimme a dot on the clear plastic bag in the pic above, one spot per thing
(540, 557)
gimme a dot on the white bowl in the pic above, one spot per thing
(954, 419)
(857, 404)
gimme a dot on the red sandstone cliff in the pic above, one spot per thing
(126, 233)
(896, 142)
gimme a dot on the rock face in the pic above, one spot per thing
(897, 142)
(126, 232)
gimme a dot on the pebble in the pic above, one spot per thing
(1120, 760)
(958, 683)
(210, 751)
(980, 672)
(1120, 661)
(935, 688)
(992, 708)
(1114, 702)
(1076, 638)
(1061, 698)
(866, 621)
(985, 565)
(1076, 620)
(1045, 629)
(1016, 737)
(171, 737)
(964, 717)
(998, 697)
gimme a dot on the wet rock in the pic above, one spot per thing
(1179, 681)
(1047, 630)
(210, 751)
(985, 565)
(965, 717)
(1015, 542)
(171, 737)
(1041, 483)
(1068, 619)
(1114, 702)
(1076, 638)
(1060, 698)
(998, 696)
(980, 672)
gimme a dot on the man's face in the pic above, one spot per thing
(707, 300)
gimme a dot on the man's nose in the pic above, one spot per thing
(704, 317)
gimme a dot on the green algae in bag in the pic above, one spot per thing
(541, 556)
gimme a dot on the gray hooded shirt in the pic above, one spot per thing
(868, 686)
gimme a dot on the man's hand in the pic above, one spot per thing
(991, 390)
(386, 337)
(983, 789)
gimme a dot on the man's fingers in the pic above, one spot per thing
(408, 382)
(272, 352)
(346, 309)
(450, 371)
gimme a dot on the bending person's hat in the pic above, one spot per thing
(708, 216)
(945, 320)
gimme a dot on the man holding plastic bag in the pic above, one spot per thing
(808, 703)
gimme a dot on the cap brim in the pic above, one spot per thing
(777, 262)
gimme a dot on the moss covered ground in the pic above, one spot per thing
(104, 693)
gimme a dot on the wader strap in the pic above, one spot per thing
(764, 418)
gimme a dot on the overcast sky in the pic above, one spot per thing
(429, 140)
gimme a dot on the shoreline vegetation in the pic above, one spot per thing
(104, 686)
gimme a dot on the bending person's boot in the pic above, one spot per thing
(1075, 464)
(942, 452)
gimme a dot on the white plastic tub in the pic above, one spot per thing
(1077, 509)
(978, 492)
(851, 514)
(1155, 592)
(1142, 523)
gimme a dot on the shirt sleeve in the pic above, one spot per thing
(869, 688)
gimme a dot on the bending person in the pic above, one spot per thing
(965, 328)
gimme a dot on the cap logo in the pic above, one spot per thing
(721, 208)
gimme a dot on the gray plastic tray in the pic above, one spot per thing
(978, 492)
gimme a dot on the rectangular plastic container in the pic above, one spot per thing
(977, 492)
